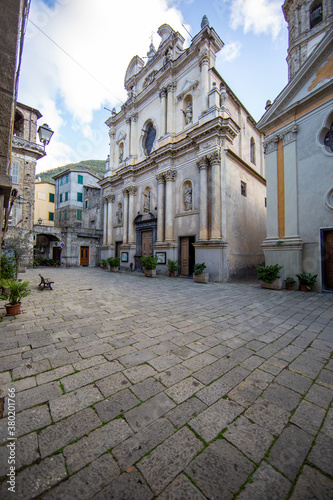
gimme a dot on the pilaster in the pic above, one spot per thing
(203, 168)
(170, 177)
(160, 206)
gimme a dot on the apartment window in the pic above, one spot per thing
(86, 204)
(59, 216)
(265, 202)
(51, 216)
(61, 181)
(79, 214)
(316, 14)
(67, 178)
(243, 188)
(66, 196)
(51, 197)
(60, 198)
(15, 172)
(79, 197)
(80, 179)
(65, 214)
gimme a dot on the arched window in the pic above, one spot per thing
(149, 138)
(328, 139)
(252, 150)
(316, 13)
(18, 124)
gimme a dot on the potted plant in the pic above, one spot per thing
(15, 290)
(306, 281)
(198, 273)
(103, 263)
(149, 264)
(172, 267)
(113, 263)
(269, 276)
(289, 282)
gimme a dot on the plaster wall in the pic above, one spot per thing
(246, 220)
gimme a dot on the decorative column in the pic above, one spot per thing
(125, 219)
(134, 119)
(163, 95)
(203, 167)
(110, 198)
(170, 177)
(131, 213)
(290, 182)
(215, 161)
(160, 207)
(128, 144)
(105, 221)
(204, 66)
(170, 108)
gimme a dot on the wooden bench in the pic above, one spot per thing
(45, 282)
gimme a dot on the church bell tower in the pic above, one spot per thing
(308, 20)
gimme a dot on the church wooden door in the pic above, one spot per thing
(328, 279)
(147, 243)
(84, 256)
(184, 256)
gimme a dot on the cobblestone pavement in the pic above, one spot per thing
(132, 388)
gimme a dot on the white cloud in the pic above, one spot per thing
(259, 16)
(102, 37)
(231, 51)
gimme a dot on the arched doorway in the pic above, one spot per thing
(47, 246)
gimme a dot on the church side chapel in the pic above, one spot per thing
(185, 177)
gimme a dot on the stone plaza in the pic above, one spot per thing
(132, 388)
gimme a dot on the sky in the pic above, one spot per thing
(76, 53)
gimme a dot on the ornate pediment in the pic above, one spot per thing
(189, 86)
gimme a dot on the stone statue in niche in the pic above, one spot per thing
(146, 202)
(119, 215)
(121, 153)
(188, 197)
(188, 114)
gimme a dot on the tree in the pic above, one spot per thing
(19, 245)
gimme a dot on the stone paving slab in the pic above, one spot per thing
(153, 389)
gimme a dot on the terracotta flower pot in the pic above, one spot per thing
(303, 288)
(12, 310)
(201, 278)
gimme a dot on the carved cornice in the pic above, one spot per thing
(203, 163)
(170, 174)
(215, 157)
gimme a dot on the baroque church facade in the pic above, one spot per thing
(185, 178)
(298, 129)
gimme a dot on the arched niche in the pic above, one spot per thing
(187, 196)
(187, 110)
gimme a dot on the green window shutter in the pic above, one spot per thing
(79, 197)
(79, 214)
(51, 197)
(60, 198)
(80, 179)
(65, 214)
(51, 216)
(59, 216)
(66, 196)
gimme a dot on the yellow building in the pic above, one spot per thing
(44, 203)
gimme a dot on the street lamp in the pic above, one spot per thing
(45, 133)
